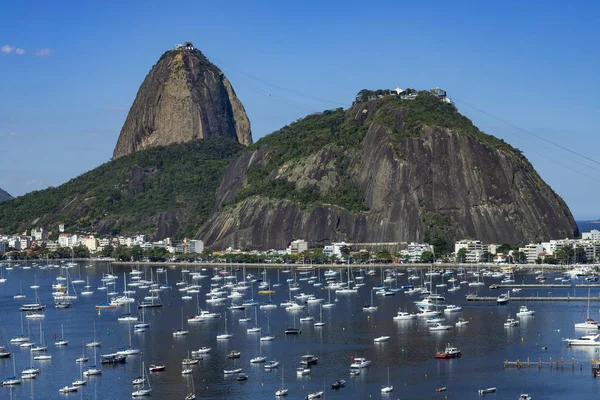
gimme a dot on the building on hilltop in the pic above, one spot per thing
(441, 94)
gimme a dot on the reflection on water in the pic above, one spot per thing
(348, 333)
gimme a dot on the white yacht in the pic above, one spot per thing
(587, 340)
(524, 312)
(360, 362)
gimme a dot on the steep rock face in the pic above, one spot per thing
(440, 182)
(184, 97)
(4, 195)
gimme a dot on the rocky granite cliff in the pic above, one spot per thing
(4, 195)
(384, 170)
(184, 97)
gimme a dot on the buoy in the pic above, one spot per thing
(522, 340)
(368, 317)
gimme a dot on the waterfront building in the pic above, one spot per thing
(474, 248)
(196, 246)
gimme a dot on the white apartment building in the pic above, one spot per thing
(39, 234)
(67, 240)
(90, 242)
(196, 246)
(297, 246)
(594, 234)
(414, 251)
(475, 249)
(14, 242)
(335, 249)
(532, 251)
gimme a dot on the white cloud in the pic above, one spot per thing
(20, 51)
(44, 52)
(7, 49)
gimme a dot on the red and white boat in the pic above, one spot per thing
(449, 352)
(156, 368)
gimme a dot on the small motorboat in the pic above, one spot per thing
(293, 331)
(241, 377)
(187, 371)
(525, 312)
(281, 392)
(271, 364)
(189, 361)
(308, 359)
(67, 389)
(461, 322)
(314, 395)
(156, 368)
(449, 352)
(381, 339)
(258, 359)
(201, 350)
(511, 322)
(232, 371)
(486, 391)
(524, 397)
(502, 299)
(234, 354)
(441, 389)
(340, 383)
(301, 371)
(440, 327)
(360, 362)
(354, 371)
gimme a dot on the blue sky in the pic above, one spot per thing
(71, 69)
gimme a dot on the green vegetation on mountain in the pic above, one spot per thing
(128, 194)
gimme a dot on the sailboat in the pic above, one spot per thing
(320, 322)
(41, 346)
(95, 343)
(142, 326)
(181, 332)
(88, 289)
(389, 388)
(22, 338)
(348, 289)
(127, 317)
(128, 350)
(589, 323)
(192, 395)
(62, 341)
(246, 318)
(83, 358)
(225, 335)
(143, 391)
(20, 295)
(282, 391)
(81, 381)
(93, 370)
(370, 307)
(269, 337)
(260, 358)
(329, 304)
(12, 380)
(254, 328)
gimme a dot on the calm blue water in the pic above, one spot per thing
(409, 354)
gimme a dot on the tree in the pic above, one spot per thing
(345, 250)
(107, 251)
(427, 257)
(461, 255)
(384, 255)
(520, 257)
(486, 256)
(137, 253)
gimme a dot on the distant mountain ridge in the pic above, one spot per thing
(4, 195)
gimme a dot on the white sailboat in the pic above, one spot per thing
(93, 370)
(320, 322)
(81, 381)
(12, 380)
(95, 343)
(225, 334)
(254, 328)
(329, 304)
(589, 323)
(389, 388)
(62, 341)
(128, 350)
(181, 332)
(143, 391)
(283, 391)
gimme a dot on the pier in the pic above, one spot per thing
(474, 297)
(539, 363)
(543, 285)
